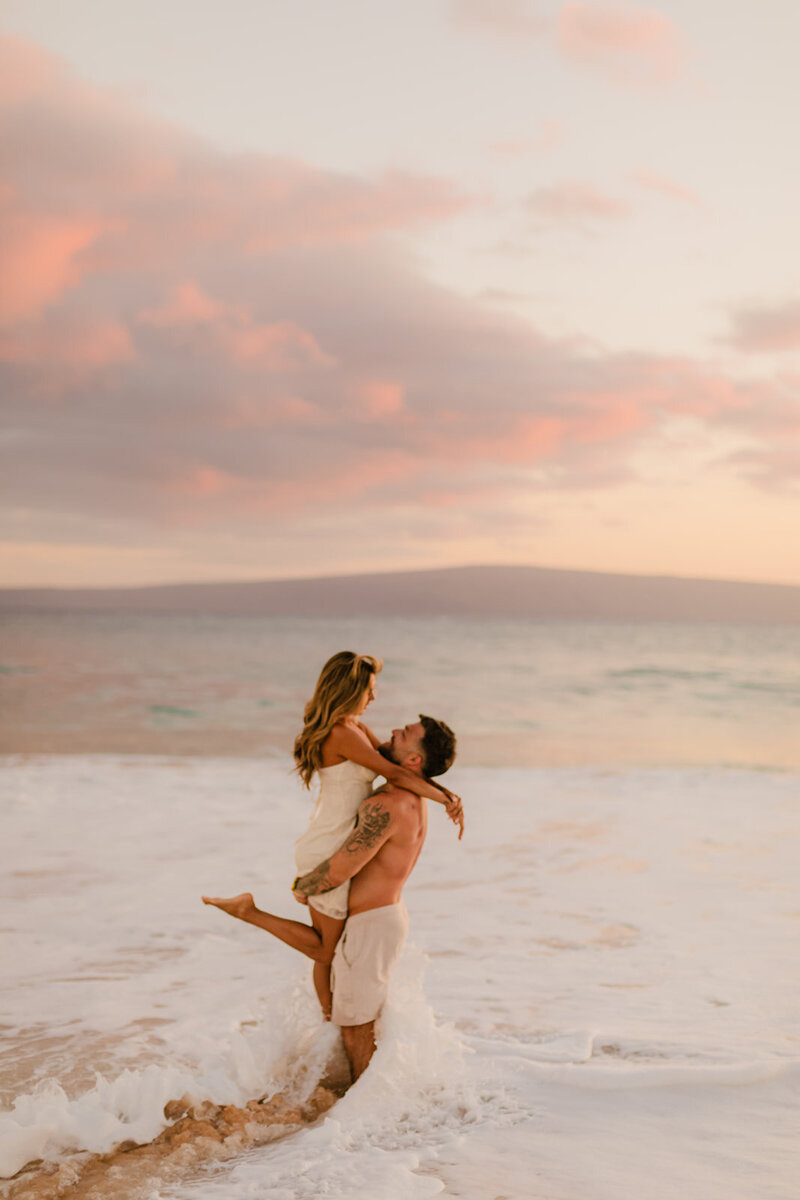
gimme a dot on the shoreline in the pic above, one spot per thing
(472, 755)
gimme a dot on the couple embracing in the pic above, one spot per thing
(360, 846)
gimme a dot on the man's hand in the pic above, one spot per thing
(300, 897)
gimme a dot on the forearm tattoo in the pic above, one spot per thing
(315, 881)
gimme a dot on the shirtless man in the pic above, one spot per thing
(378, 857)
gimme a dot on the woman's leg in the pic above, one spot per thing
(309, 940)
(329, 930)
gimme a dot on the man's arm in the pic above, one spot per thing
(373, 828)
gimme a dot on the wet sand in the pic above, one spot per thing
(199, 1137)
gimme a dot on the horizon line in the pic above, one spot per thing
(426, 570)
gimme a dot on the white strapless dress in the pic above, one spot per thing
(341, 790)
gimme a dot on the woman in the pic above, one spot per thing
(343, 752)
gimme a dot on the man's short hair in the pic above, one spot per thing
(438, 745)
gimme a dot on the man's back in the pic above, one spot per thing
(380, 881)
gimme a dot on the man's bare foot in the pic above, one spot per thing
(238, 906)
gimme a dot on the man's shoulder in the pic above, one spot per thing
(395, 791)
(396, 800)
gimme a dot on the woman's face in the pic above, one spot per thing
(367, 697)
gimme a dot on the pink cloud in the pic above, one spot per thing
(40, 257)
(379, 397)
(536, 438)
(202, 494)
(573, 202)
(280, 346)
(777, 468)
(517, 18)
(615, 416)
(629, 45)
(283, 346)
(69, 344)
(548, 135)
(90, 178)
(767, 330)
(240, 351)
(186, 304)
(253, 411)
(311, 210)
(667, 187)
(27, 71)
(200, 482)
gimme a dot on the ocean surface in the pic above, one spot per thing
(517, 692)
(599, 995)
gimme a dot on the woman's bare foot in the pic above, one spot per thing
(241, 906)
(305, 938)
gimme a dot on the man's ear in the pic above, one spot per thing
(413, 760)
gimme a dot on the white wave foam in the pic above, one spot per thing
(575, 1047)
(598, 943)
(287, 1051)
(416, 1096)
(46, 1123)
(416, 1080)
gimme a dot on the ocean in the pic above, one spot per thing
(517, 692)
(599, 994)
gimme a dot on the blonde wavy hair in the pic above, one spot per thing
(341, 685)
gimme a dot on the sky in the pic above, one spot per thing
(321, 288)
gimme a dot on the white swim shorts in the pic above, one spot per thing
(365, 954)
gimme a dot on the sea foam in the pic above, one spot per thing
(597, 981)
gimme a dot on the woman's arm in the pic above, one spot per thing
(373, 737)
(352, 744)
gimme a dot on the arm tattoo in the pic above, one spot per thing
(315, 881)
(370, 827)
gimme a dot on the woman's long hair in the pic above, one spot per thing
(341, 685)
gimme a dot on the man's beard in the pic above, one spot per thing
(386, 751)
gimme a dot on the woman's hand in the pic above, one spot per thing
(454, 809)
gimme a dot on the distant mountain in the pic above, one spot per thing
(455, 591)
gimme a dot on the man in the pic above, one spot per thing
(378, 857)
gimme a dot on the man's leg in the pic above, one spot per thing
(359, 1042)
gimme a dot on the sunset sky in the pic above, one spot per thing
(324, 287)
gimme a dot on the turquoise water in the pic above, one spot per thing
(516, 692)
